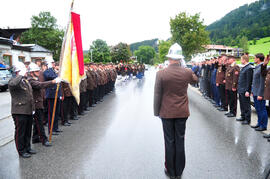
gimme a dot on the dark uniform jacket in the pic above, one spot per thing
(66, 92)
(245, 79)
(99, 77)
(22, 101)
(221, 74)
(50, 92)
(170, 96)
(90, 81)
(83, 85)
(37, 87)
(266, 74)
(231, 78)
(258, 82)
(94, 76)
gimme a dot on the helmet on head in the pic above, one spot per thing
(175, 52)
(49, 61)
(33, 67)
(20, 68)
(27, 60)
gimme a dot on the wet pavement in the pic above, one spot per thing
(5, 104)
(120, 138)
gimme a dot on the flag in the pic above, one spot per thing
(71, 61)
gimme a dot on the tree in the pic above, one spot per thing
(189, 32)
(120, 52)
(163, 48)
(243, 43)
(45, 32)
(145, 54)
(100, 51)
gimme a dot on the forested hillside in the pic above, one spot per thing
(251, 21)
(153, 43)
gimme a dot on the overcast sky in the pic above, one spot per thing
(116, 20)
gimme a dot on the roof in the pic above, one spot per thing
(218, 47)
(38, 48)
(24, 47)
(7, 33)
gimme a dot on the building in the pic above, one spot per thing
(216, 50)
(12, 52)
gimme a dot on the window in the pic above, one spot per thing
(21, 58)
(7, 59)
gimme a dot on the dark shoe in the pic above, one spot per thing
(266, 136)
(87, 109)
(168, 175)
(260, 129)
(82, 113)
(55, 133)
(58, 131)
(25, 155)
(268, 140)
(31, 151)
(240, 119)
(245, 122)
(228, 113)
(66, 124)
(36, 141)
(47, 144)
(75, 118)
(231, 115)
(219, 108)
(257, 126)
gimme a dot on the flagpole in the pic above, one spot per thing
(61, 58)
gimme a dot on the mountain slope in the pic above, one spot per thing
(252, 21)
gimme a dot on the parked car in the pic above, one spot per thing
(5, 76)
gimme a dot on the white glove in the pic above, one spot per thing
(58, 80)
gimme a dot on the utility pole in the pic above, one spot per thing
(91, 50)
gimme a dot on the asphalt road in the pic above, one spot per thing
(120, 138)
(5, 104)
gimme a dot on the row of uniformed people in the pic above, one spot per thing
(125, 69)
(33, 91)
(222, 82)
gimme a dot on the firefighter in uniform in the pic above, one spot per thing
(231, 83)
(90, 86)
(266, 73)
(22, 109)
(220, 82)
(38, 130)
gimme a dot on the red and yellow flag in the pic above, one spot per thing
(72, 65)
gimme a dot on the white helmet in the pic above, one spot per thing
(20, 67)
(175, 52)
(27, 59)
(49, 61)
(33, 67)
